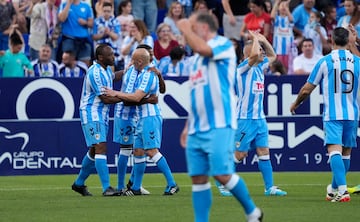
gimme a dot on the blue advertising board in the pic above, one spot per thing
(40, 131)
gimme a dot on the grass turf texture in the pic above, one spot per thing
(50, 198)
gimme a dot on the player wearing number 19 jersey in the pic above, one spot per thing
(338, 74)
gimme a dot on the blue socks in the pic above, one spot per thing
(122, 166)
(202, 201)
(162, 164)
(102, 170)
(338, 168)
(237, 187)
(266, 170)
(87, 167)
(139, 170)
(346, 161)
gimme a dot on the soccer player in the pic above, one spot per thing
(338, 73)
(94, 115)
(212, 118)
(252, 132)
(125, 124)
(149, 126)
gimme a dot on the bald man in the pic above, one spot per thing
(149, 126)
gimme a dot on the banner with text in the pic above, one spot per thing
(40, 131)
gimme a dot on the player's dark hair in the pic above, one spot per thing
(177, 53)
(340, 36)
(100, 49)
(208, 19)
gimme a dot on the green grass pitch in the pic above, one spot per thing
(50, 198)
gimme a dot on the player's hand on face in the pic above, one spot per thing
(183, 24)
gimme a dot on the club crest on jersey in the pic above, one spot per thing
(97, 136)
(237, 144)
(126, 138)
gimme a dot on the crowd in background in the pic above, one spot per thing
(55, 38)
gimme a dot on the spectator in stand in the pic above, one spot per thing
(76, 17)
(107, 31)
(329, 22)
(21, 6)
(7, 22)
(257, 20)
(277, 68)
(352, 16)
(125, 16)
(175, 13)
(138, 34)
(174, 64)
(187, 6)
(99, 5)
(238, 51)
(201, 6)
(43, 27)
(70, 67)
(304, 63)
(268, 5)
(301, 16)
(313, 30)
(283, 31)
(164, 44)
(13, 61)
(44, 66)
(233, 17)
(146, 10)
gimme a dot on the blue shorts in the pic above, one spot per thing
(148, 133)
(210, 153)
(341, 132)
(95, 133)
(251, 134)
(124, 131)
(81, 48)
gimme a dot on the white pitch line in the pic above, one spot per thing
(97, 187)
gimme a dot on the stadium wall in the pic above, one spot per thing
(40, 130)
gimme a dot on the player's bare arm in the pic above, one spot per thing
(302, 96)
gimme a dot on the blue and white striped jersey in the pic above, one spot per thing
(167, 68)
(338, 73)
(148, 82)
(79, 70)
(47, 69)
(250, 90)
(283, 35)
(127, 86)
(92, 109)
(212, 81)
